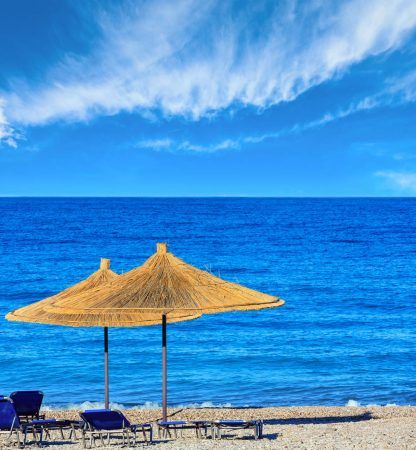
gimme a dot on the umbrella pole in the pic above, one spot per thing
(164, 370)
(106, 390)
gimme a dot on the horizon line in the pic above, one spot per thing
(209, 196)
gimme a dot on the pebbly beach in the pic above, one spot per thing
(307, 427)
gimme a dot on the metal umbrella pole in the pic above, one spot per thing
(164, 370)
(106, 380)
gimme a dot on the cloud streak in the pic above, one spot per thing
(186, 146)
(193, 59)
(398, 91)
(403, 180)
(7, 134)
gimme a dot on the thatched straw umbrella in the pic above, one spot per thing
(39, 312)
(163, 290)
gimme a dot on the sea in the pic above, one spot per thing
(346, 268)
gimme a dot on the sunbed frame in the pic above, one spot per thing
(217, 427)
(92, 431)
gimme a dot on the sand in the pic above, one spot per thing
(390, 427)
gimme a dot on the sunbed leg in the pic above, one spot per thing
(41, 436)
(9, 437)
(73, 432)
(25, 436)
(35, 436)
(19, 443)
(48, 433)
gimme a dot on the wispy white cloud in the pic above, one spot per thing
(186, 146)
(401, 89)
(396, 92)
(192, 58)
(403, 180)
(7, 134)
(365, 104)
(227, 144)
(155, 144)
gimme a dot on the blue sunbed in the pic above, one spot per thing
(219, 425)
(99, 422)
(11, 425)
(9, 421)
(27, 404)
(165, 427)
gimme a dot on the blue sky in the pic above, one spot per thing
(190, 98)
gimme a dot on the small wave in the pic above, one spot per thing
(97, 405)
(355, 404)
(153, 405)
(147, 405)
(205, 405)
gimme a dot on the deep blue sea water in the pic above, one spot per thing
(346, 268)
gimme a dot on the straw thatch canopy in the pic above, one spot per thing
(37, 312)
(163, 285)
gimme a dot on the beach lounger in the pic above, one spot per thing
(9, 421)
(165, 427)
(100, 422)
(43, 427)
(228, 425)
(11, 425)
(27, 404)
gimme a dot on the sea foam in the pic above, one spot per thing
(355, 404)
(147, 405)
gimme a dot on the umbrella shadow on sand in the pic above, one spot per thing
(319, 420)
(297, 420)
(314, 421)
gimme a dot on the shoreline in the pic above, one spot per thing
(305, 427)
(251, 412)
